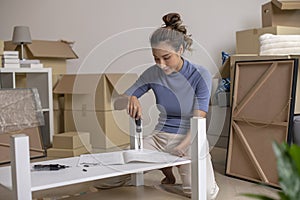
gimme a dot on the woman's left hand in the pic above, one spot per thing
(179, 151)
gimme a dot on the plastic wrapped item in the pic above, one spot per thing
(224, 85)
(20, 109)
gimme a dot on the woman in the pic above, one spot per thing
(182, 90)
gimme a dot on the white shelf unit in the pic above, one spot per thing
(34, 78)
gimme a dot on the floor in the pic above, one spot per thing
(230, 188)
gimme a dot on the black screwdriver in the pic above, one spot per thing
(50, 167)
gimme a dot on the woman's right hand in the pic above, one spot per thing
(134, 107)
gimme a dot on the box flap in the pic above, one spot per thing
(46, 49)
(77, 84)
(121, 82)
(51, 49)
(287, 4)
(88, 83)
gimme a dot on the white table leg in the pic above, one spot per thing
(137, 178)
(20, 167)
(199, 153)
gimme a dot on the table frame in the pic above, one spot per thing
(23, 181)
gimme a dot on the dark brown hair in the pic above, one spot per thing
(172, 32)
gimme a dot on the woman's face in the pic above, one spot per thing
(167, 58)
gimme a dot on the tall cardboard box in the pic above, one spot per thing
(52, 54)
(88, 107)
(247, 41)
(283, 13)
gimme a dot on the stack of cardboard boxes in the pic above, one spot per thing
(278, 18)
(70, 144)
(88, 107)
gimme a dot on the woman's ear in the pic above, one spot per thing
(180, 52)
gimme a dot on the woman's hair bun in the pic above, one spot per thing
(173, 21)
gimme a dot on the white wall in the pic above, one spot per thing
(112, 35)
(118, 30)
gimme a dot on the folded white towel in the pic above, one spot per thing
(279, 44)
(270, 38)
(281, 51)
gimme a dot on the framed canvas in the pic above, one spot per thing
(261, 113)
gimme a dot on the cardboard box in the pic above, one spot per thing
(284, 13)
(287, 4)
(107, 129)
(88, 107)
(247, 41)
(52, 54)
(35, 144)
(92, 91)
(63, 153)
(71, 140)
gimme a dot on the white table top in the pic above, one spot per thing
(41, 180)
